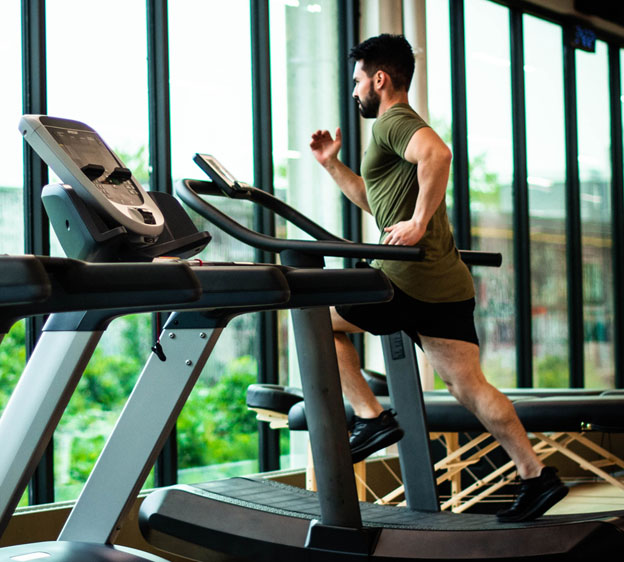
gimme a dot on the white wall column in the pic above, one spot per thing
(409, 18)
(415, 31)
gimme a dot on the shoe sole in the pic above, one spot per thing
(378, 442)
(555, 496)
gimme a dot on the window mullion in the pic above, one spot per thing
(166, 467)
(36, 227)
(522, 258)
(461, 188)
(267, 343)
(617, 202)
(573, 220)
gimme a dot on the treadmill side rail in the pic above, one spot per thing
(143, 426)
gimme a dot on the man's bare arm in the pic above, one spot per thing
(325, 149)
(433, 157)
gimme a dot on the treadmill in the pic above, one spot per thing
(54, 369)
(258, 519)
(92, 222)
(85, 298)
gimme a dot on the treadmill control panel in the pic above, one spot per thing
(223, 179)
(80, 157)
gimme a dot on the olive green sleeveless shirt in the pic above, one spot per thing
(392, 188)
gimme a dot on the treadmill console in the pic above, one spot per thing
(222, 178)
(80, 157)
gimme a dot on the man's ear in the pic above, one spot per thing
(381, 79)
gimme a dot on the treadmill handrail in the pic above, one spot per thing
(333, 246)
(22, 280)
(77, 285)
(268, 201)
(325, 243)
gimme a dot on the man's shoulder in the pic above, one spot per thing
(400, 113)
(395, 127)
(399, 110)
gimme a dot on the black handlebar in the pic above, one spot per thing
(325, 243)
(22, 280)
(74, 285)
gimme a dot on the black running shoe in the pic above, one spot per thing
(535, 497)
(370, 435)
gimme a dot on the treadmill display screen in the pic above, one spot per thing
(86, 148)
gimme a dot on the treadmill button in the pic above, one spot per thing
(148, 218)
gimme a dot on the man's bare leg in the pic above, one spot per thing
(373, 427)
(457, 363)
(354, 386)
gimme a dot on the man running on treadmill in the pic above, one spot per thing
(404, 176)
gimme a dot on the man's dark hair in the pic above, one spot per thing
(390, 53)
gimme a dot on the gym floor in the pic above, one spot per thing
(587, 497)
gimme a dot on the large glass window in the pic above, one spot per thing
(11, 175)
(12, 350)
(211, 112)
(488, 83)
(104, 84)
(594, 157)
(439, 78)
(305, 97)
(545, 130)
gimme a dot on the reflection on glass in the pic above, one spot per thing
(543, 71)
(488, 83)
(104, 84)
(592, 75)
(217, 435)
(305, 97)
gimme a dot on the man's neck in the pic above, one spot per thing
(389, 101)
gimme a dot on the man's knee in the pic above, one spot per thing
(466, 395)
(471, 391)
(487, 403)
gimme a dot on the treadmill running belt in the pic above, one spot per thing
(274, 497)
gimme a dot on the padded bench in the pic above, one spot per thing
(556, 418)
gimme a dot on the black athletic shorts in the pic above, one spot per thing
(449, 320)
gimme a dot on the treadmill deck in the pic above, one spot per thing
(260, 519)
(281, 499)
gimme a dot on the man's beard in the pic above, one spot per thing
(369, 106)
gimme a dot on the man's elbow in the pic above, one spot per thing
(445, 156)
(439, 158)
